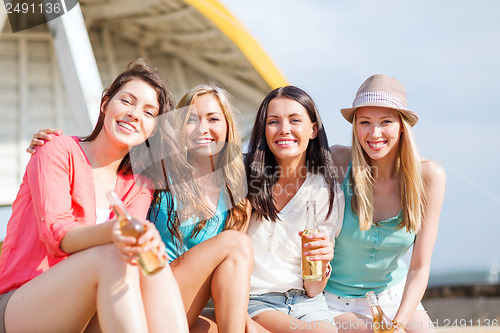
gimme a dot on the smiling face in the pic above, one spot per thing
(130, 114)
(206, 128)
(379, 130)
(288, 130)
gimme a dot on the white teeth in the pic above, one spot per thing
(287, 142)
(127, 126)
(377, 144)
(203, 141)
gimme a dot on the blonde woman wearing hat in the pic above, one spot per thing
(393, 201)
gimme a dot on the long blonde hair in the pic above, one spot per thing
(230, 160)
(408, 167)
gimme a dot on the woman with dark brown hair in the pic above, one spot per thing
(289, 164)
(65, 267)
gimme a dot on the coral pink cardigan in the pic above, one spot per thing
(57, 194)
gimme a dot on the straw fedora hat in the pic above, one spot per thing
(384, 91)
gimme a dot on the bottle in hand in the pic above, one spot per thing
(149, 261)
(381, 323)
(311, 270)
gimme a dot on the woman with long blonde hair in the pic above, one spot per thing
(204, 230)
(393, 201)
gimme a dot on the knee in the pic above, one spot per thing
(239, 244)
(108, 261)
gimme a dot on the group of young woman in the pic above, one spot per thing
(229, 225)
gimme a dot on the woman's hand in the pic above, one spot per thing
(40, 137)
(126, 245)
(319, 247)
(151, 240)
(129, 247)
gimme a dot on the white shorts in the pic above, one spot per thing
(389, 302)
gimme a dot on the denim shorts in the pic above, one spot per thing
(294, 303)
(389, 299)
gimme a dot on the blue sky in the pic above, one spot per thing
(447, 55)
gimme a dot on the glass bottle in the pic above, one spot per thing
(130, 226)
(311, 270)
(381, 323)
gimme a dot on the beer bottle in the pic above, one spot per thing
(130, 226)
(311, 270)
(381, 323)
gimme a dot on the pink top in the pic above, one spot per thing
(57, 194)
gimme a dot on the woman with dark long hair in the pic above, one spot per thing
(288, 164)
(65, 267)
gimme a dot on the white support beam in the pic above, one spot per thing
(78, 66)
(3, 17)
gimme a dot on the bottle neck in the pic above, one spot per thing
(372, 298)
(311, 222)
(120, 211)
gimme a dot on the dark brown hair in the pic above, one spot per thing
(137, 69)
(261, 166)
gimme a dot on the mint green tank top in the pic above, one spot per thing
(367, 260)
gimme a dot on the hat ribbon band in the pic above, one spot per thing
(378, 97)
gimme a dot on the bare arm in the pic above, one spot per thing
(86, 236)
(341, 159)
(418, 274)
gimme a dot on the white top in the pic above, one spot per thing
(277, 245)
(102, 214)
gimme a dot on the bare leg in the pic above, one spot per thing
(353, 322)
(206, 324)
(231, 287)
(420, 323)
(66, 297)
(276, 321)
(163, 302)
(219, 267)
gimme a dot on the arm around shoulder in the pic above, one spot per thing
(341, 159)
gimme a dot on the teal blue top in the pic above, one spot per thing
(367, 260)
(158, 214)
